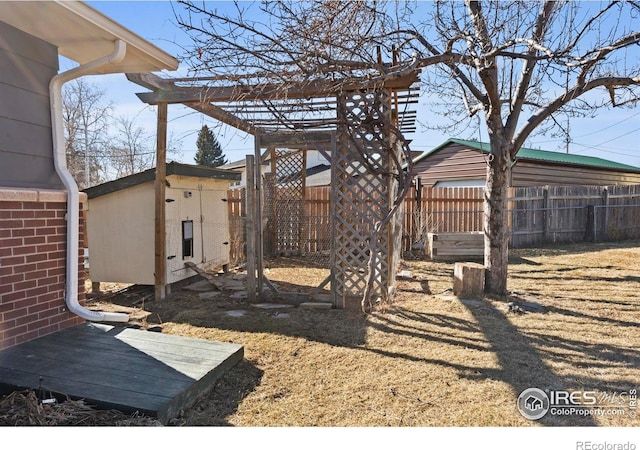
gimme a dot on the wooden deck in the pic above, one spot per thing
(121, 368)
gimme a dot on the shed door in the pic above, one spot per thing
(197, 230)
(214, 227)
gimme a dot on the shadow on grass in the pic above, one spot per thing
(573, 249)
(521, 365)
(548, 277)
(524, 358)
(447, 328)
(223, 400)
(516, 259)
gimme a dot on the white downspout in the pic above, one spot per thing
(73, 196)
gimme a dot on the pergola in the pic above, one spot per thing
(286, 120)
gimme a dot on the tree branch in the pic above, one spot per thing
(545, 112)
(528, 66)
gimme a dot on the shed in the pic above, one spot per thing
(120, 224)
(459, 162)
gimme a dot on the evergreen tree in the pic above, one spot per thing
(209, 151)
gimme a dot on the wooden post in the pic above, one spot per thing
(302, 226)
(259, 237)
(468, 280)
(251, 229)
(336, 301)
(590, 229)
(605, 205)
(394, 248)
(160, 266)
(512, 218)
(546, 217)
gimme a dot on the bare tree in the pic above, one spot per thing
(510, 67)
(86, 118)
(132, 148)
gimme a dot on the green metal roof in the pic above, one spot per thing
(173, 168)
(543, 156)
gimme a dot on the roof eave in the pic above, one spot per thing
(484, 148)
(81, 33)
(173, 168)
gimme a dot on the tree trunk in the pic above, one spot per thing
(496, 228)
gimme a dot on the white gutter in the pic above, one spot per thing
(73, 196)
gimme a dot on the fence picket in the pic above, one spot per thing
(537, 215)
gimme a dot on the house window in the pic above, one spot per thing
(187, 239)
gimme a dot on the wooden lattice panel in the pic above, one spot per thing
(289, 172)
(316, 228)
(361, 191)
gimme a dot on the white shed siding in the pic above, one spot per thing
(120, 229)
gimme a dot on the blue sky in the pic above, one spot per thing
(612, 135)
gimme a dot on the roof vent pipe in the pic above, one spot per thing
(73, 196)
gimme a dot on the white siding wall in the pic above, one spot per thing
(27, 64)
(120, 230)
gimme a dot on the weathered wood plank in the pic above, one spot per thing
(109, 397)
(121, 368)
(165, 92)
(207, 276)
(457, 252)
(456, 245)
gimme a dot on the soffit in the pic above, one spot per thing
(83, 34)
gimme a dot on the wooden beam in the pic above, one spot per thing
(318, 88)
(160, 266)
(148, 80)
(295, 139)
(223, 116)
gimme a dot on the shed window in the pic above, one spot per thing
(187, 239)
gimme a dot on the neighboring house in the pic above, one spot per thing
(41, 223)
(319, 175)
(318, 169)
(240, 167)
(459, 162)
(121, 220)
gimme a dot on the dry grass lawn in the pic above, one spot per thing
(428, 359)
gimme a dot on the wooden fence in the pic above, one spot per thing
(236, 208)
(537, 216)
(559, 214)
(440, 210)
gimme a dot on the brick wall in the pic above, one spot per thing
(33, 265)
